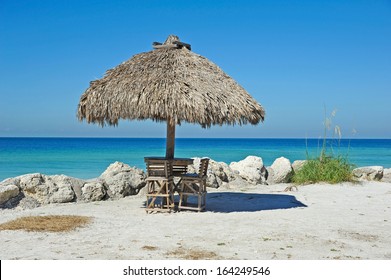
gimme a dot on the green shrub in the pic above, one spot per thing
(324, 169)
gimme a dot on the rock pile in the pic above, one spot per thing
(120, 180)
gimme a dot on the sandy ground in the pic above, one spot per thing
(343, 221)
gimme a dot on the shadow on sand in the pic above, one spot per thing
(227, 202)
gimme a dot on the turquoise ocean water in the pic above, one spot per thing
(89, 157)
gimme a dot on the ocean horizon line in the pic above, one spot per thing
(228, 138)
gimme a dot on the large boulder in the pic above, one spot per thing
(66, 184)
(33, 185)
(222, 171)
(250, 169)
(93, 191)
(212, 181)
(122, 180)
(281, 171)
(61, 188)
(7, 192)
(386, 175)
(368, 173)
(48, 189)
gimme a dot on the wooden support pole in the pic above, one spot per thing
(170, 144)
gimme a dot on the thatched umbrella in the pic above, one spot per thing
(170, 83)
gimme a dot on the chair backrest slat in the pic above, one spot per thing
(179, 169)
(203, 170)
(159, 168)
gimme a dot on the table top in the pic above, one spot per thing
(176, 160)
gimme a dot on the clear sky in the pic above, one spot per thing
(293, 57)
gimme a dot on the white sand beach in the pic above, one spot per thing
(345, 221)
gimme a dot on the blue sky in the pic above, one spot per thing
(293, 57)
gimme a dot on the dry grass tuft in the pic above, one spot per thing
(193, 254)
(50, 223)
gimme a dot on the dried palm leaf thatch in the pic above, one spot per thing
(168, 83)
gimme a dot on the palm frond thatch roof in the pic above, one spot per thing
(169, 82)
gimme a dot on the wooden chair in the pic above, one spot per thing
(194, 185)
(160, 195)
(179, 169)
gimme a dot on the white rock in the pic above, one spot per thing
(61, 194)
(7, 192)
(74, 183)
(222, 171)
(250, 169)
(122, 180)
(29, 182)
(282, 171)
(212, 181)
(368, 173)
(93, 191)
(48, 189)
(62, 188)
(298, 164)
(387, 175)
(218, 172)
(193, 168)
(11, 181)
(33, 185)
